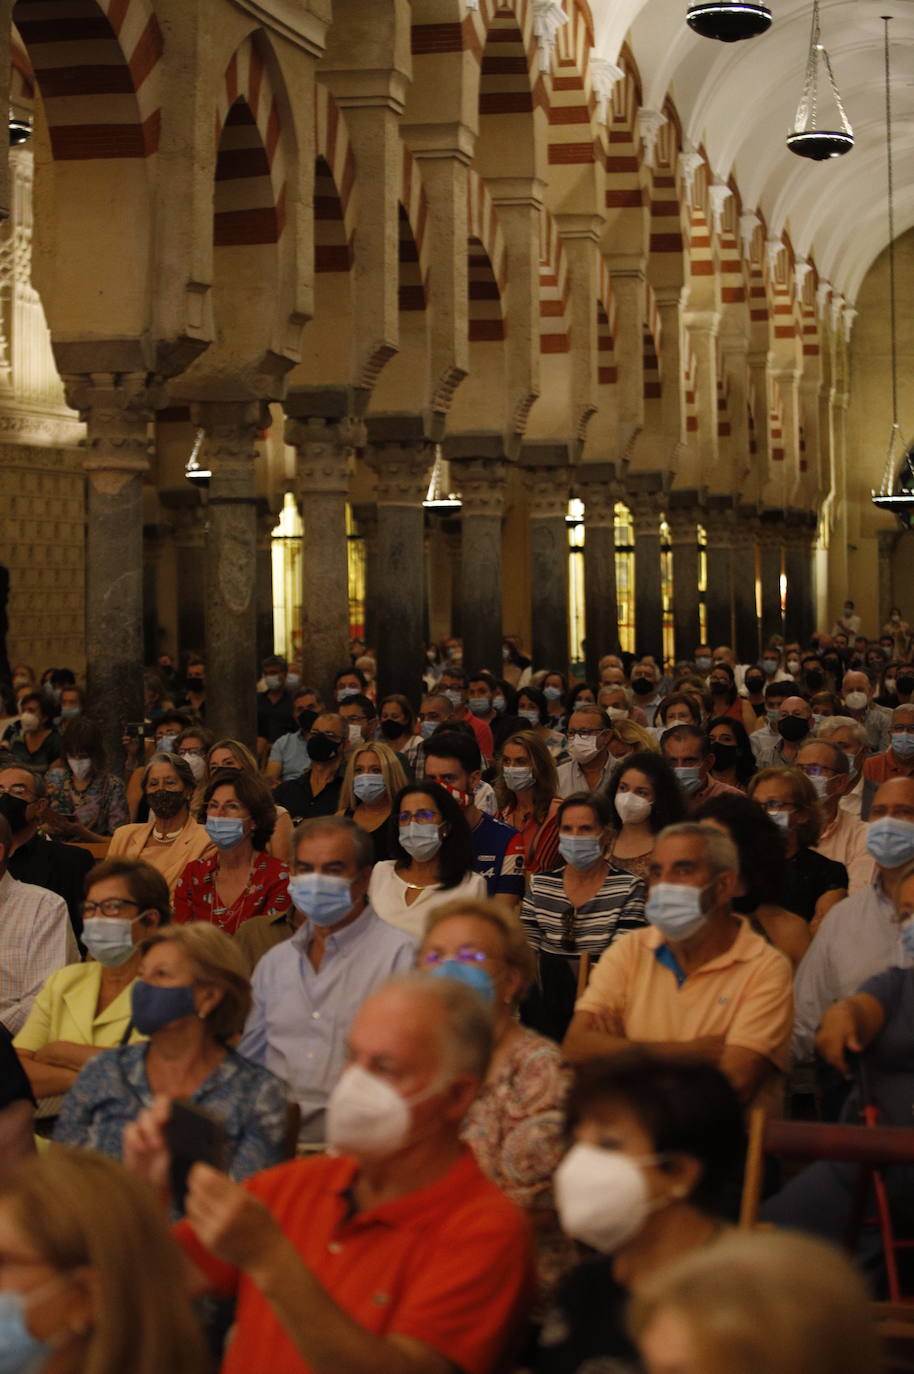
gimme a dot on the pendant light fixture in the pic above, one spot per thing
(729, 21)
(807, 138)
(896, 494)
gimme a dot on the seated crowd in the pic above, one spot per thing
(432, 1027)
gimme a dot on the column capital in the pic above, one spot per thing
(720, 520)
(683, 519)
(400, 454)
(231, 428)
(646, 508)
(481, 483)
(324, 450)
(599, 486)
(117, 409)
(547, 491)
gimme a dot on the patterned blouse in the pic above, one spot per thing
(516, 1129)
(547, 914)
(196, 898)
(101, 807)
(112, 1089)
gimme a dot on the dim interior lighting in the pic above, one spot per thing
(806, 138)
(439, 497)
(729, 21)
(20, 129)
(194, 470)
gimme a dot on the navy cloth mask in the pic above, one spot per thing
(153, 1007)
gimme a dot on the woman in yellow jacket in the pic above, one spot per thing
(84, 1008)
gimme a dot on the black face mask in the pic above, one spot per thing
(13, 809)
(305, 720)
(815, 679)
(793, 728)
(725, 756)
(322, 749)
(755, 684)
(832, 665)
(643, 686)
(164, 804)
(905, 685)
(392, 729)
(196, 684)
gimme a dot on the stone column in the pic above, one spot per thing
(645, 506)
(266, 524)
(771, 542)
(628, 279)
(231, 429)
(598, 487)
(481, 483)
(325, 450)
(366, 517)
(548, 504)
(188, 517)
(720, 525)
(682, 518)
(117, 409)
(401, 455)
(800, 616)
(745, 575)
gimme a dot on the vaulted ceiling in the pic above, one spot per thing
(737, 102)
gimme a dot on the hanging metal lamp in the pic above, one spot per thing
(808, 138)
(896, 493)
(729, 21)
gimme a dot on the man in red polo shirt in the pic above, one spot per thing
(394, 1255)
(898, 759)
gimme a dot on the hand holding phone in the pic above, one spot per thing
(193, 1137)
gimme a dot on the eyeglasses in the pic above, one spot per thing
(190, 753)
(777, 806)
(325, 734)
(902, 729)
(587, 734)
(816, 770)
(423, 817)
(352, 719)
(18, 789)
(466, 954)
(111, 906)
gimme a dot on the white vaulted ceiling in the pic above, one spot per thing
(737, 102)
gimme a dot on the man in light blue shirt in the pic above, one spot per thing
(307, 990)
(289, 755)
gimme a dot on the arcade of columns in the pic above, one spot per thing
(337, 236)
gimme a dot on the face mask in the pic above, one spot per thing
(793, 666)
(902, 746)
(583, 748)
(772, 718)
(632, 808)
(153, 1007)
(368, 1117)
(820, 785)
(848, 610)
(196, 684)
(14, 809)
(272, 682)
(890, 841)
(675, 909)
(905, 684)
(720, 687)
(197, 765)
(69, 712)
(532, 717)
(305, 719)
(322, 749)
(856, 701)
(891, 686)
(473, 975)
(852, 762)
(769, 666)
(480, 706)
(369, 787)
(602, 1196)
(164, 805)
(391, 729)
(703, 662)
(165, 744)
(793, 728)
(643, 686)
(343, 693)
(80, 768)
(754, 684)
(428, 727)
(518, 779)
(814, 679)
(725, 756)
(689, 778)
(498, 703)
(108, 939)
(293, 682)
(354, 731)
(907, 938)
(552, 693)
(780, 818)
(616, 712)
(422, 842)
(325, 898)
(20, 1351)
(581, 851)
(454, 697)
(29, 721)
(225, 831)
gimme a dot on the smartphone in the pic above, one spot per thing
(136, 729)
(193, 1137)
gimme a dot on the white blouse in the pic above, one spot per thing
(387, 896)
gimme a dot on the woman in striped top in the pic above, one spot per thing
(576, 910)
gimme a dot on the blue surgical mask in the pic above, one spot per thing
(165, 744)
(902, 746)
(820, 786)
(454, 697)
(480, 706)
(473, 975)
(422, 842)
(675, 909)
(907, 937)
(369, 787)
(325, 898)
(532, 716)
(703, 662)
(890, 841)
(581, 851)
(225, 831)
(498, 703)
(428, 727)
(153, 1007)
(20, 1351)
(344, 693)
(69, 712)
(518, 779)
(769, 666)
(689, 779)
(108, 939)
(552, 693)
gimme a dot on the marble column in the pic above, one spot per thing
(682, 518)
(365, 515)
(598, 487)
(400, 453)
(325, 452)
(720, 525)
(548, 498)
(645, 507)
(481, 483)
(117, 410)
(266, 524)
(745, 573)
(771, 562)
(800, 615)
(231, 429)
(188, 517)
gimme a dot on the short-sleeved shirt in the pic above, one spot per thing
(883, 767)
(744, 994)
(448, 1265)
(266, 893)
(890, 1057)
(274, 718)
(617, 907)
(301, 803)
(499, 856)
(807, 877)
(291, 752)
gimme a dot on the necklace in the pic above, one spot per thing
(167, 838)
(419, 887)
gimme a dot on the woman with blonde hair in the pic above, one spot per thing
(191, 999)
(525, 788)
(757, 1302)
(628, 738)
(374, 776)
(516, 1124)
(231, 753)
(93, 1282)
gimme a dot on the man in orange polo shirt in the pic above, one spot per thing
(697, 980)
(395, 1254)
(898, 759)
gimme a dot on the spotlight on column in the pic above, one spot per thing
(194, 470)
(729, 21)
(20, 129)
